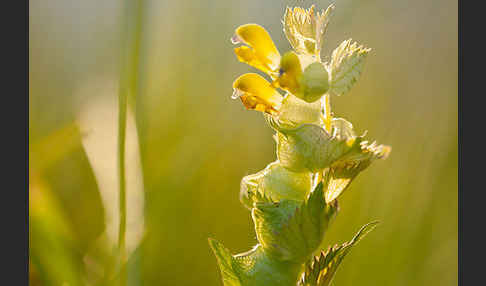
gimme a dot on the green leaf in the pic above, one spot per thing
(225, 263)
(309, 148)
(274, 183)
(290, 230)
(346, 64)
(342, 172)
(321, 269)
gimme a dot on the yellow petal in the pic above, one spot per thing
(262, 53)
(247, 55)
(256, 93)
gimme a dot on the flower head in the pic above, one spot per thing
(289, 72)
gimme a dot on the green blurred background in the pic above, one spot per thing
(193, 143)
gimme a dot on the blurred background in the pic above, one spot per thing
(189, 144)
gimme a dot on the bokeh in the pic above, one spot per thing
(189, 144)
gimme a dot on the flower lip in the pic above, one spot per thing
(256, 93)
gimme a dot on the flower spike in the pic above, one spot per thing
(295, 198)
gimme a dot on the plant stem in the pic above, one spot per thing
(327, 112)
(122, 118)
(127, 90)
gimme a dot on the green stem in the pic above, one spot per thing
(122, 119)
(327, 113)
(127, 90)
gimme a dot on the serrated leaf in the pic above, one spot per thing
(224, 257)
(321, 269)
(346, 64)
(308, 147)
(343, 171)
(305, 30)
(291, 230)
(340, 156)
(342, 129)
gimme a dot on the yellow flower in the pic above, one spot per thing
(256, 93)
(261, 52)
(287, 73)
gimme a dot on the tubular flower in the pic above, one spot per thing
(256, 93)
(261, 53)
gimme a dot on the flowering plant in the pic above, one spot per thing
(294, 199)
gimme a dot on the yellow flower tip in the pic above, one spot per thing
(261, 53)
(256, 93)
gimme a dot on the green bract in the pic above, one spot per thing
(291, 230)
(254, 268)
(296, 110)
(273, 184)
(309, 85)
(314, 82)
(295, 198)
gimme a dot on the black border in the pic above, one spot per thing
(14, 117)
(470, 149)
